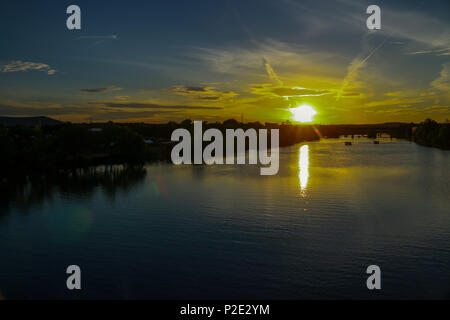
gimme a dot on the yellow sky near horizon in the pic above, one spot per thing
(254, 65)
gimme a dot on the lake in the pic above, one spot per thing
(225, 232)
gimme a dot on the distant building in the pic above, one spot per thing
(95, 129)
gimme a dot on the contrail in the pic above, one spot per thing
(272, 74)
(99, 37)
(354, 68)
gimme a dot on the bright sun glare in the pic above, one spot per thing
(303, 113)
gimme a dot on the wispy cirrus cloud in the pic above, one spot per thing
(263, 57)
(108, 37)
(304, 72)
(438, 52)
(353, 69)
(98, 39)
(411, 24)
(22, 66)
(442, 83)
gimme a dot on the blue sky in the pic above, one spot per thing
(212, 60)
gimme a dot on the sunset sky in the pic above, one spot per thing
(156, 61)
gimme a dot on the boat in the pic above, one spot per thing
(376, 142)
(348, 143)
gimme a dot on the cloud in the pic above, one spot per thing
(305, 72)
(442, 83)
(439, 109)
(394, 94)
(112, 37)
(98, 39)
(351, 94)
(202, 93)
(122, 97)
(101, 90)
(287, 92)
(285, 57)
(127, 115)
(102, 111)
(353, 68)
(411, 24)
(417, 27)
(272, 74)
(191, 89)
(139, 105)
(393, 102)
(438, 52)
(21, 66)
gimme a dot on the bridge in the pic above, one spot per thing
(394, 130)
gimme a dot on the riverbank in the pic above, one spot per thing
(45, 149)
(432, 134)
(42, 149)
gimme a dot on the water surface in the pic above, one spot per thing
(225, 232)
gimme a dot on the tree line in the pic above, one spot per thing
(433, 134)
(49, 148)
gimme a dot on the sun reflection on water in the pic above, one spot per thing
(303, 165)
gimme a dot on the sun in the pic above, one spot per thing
(303, 113)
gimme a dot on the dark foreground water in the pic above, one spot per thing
(226, 232)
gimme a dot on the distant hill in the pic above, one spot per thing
(28, 121)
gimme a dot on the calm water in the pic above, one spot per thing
(226, 232)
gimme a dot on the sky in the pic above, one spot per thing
(158, 61)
